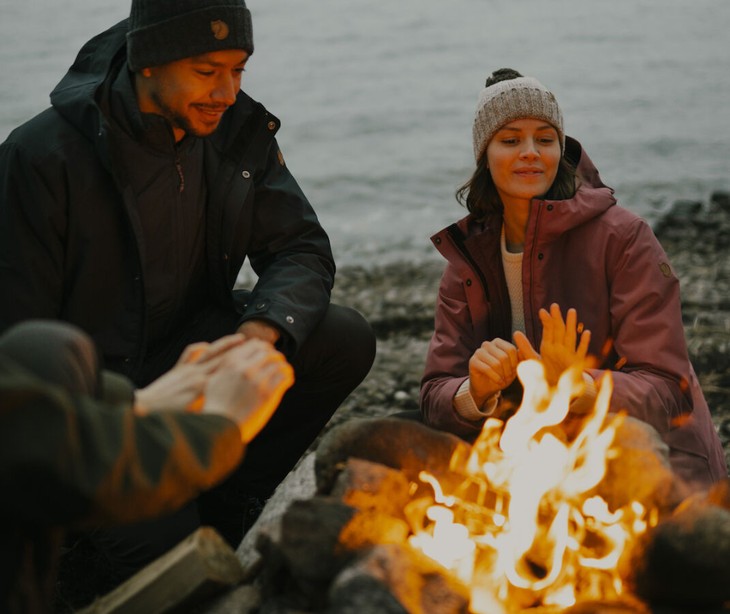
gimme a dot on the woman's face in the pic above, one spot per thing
(523, 158)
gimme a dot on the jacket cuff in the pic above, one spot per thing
(584, 403)
(465, 406)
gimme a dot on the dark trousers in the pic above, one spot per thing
(335, 358)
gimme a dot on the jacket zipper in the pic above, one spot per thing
(530, 301)
(180, 174)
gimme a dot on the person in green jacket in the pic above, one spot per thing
(77, 450)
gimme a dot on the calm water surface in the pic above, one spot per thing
(377, 97)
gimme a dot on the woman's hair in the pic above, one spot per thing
(479, 195)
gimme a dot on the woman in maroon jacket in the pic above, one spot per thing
(544, 246)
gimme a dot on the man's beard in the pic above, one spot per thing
(183, 123)
(180, 121)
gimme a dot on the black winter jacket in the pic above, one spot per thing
(70, 237)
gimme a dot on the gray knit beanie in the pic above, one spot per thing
(509, 96)
(162, 31)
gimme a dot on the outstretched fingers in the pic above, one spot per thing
(585, 341)
(570, 327)
(525, 350)
(564, 342)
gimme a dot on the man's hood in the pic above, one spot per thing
(76, 97)
(79, 94)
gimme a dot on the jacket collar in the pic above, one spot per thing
(121, 107)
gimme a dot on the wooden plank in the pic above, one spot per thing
(200, 566)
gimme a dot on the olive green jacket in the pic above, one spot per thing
(74, 462)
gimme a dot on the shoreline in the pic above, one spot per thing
(398, 300)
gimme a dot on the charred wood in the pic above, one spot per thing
(396, 579)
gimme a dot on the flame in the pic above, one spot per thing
(535, 532)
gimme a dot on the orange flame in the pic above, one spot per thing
(536, 531)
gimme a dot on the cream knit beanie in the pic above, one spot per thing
(509, 99)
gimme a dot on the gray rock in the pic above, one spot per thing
(685, 561)
(400, 444)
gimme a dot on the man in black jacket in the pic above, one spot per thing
(128, 208)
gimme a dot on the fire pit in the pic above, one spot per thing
(542, 513)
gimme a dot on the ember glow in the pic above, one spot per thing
(527, 527)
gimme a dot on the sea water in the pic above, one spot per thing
(377, 97)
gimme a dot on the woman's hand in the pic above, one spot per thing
(492, 368)
(558, 349)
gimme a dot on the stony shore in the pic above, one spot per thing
(398, 300)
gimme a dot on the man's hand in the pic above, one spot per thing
(182, 387)
(259, 329)
(492, 368)
(248, 385)
(558, 349)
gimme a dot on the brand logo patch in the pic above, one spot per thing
(220, 29)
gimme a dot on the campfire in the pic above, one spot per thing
(544, 512)
(527, 526)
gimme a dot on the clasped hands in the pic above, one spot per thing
(493, 366)
(238, 376)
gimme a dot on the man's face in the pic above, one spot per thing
(192, 93)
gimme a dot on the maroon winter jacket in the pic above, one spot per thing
(591, 254)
